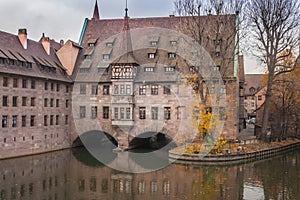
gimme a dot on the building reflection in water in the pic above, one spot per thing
(74, 174)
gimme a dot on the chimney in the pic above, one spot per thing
(22, 35)
(46, 43)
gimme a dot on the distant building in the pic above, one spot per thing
(134, 90)
(35, 96)
(254, 94)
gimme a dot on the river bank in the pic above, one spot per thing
(236, 154)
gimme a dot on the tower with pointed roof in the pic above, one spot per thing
(96, 15)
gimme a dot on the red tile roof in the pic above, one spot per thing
(11, 47)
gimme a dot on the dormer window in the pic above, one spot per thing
(217, 68)
(218, 42)
(218, 54)
(91, 44)
(171, 55)
(87, 57)
(169, 69)
(106, 56)
(149, 69)
(153, 43)
(151, 55)
(173, 43)
(109, 44)
(194, 69)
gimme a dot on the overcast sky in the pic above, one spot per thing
(63, 19)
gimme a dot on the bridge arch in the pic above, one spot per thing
(151, 140)
(94, 138)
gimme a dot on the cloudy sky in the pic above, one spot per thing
(63, 19)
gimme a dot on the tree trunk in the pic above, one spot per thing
(266, 113)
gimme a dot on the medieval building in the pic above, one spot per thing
(126, 78)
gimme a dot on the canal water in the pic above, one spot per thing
(75, 174)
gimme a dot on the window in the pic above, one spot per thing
(15, 101)
(67, 103)
(252, 104)
(151, 55)
(57, 120)
(128, 113)
(105, 112)
(4, 101)
(94, 90)
(109, 44)
(45, 102)
(91, 44)
(153, 187)
(106, 89)
(167, 89)
(122, 113)
(149, 69)
(45, 120)
(4, 121)
(57, 87)
(171, 55)
(82, 111)
(169, 69)
(15, 82)
(116, 113)
(217, 68)
(23, 120)
(153, 43)
(57, 103)
(246, 104)
(32, 101)
(66, 119)
(51, 102)
(106, 56)
(141, 187)
(67, 89)
(128, 89)
(154, 90)
(82, 89)
(32, 84)
(24, 83)
(259, 97)
(218, 54)
(14, 120)
(32, 120)
(154, 113)
(52, 86)
(5, 82)
(24, 101)
(181, 112)
(142, 90)
(94, 112)
(122, 89)
(51, 120)
(167, 113)
(46, 86)
(142, 112)
(218, 42)
(194, 69)
(173, 43)
(116, 89)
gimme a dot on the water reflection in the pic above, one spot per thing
(74, 174)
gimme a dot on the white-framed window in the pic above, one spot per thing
(154, 43)
(171, 55)
(106, 56)
(151, 55)
(173, 43)
(149, 69)
(169, 69)
(109, 44)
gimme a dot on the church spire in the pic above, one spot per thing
(96, 12)
(126, 19)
